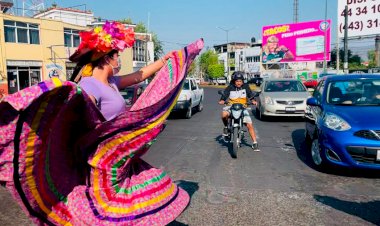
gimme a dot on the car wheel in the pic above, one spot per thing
(316, 156)
(307, 140)
(259, 113)
(200, 105)
(189, 111)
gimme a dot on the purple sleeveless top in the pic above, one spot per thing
(109, 100)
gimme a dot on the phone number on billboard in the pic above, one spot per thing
(362, 10)
(359, 25)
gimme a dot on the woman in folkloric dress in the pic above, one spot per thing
(70, 155)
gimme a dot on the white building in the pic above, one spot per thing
(242, 57)
(143, 50)
(248, 60)
(68, 15)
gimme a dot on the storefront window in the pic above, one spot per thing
(69, 72)
(22, 77)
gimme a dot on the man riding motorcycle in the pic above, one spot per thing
(238, 92)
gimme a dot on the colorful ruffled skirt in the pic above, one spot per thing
(66, 165)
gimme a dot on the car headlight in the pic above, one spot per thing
(182, 97)
(334, 122)
(268, 100)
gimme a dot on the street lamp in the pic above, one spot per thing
(228, 66)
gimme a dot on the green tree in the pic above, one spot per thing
(215, 70)
(158, 49)
(354, 61)
(206, 59)
(126, 21)
(192, 68)
(371, 59)
(141, 28)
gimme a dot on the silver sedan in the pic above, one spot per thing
(281, 97)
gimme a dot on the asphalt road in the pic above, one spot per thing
(276, 186)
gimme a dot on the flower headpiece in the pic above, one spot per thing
(101, 40)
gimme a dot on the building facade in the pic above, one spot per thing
(227, 55)
(143, 51)
(68, 15)
(36, 49)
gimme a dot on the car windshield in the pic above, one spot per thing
(354, 92)
(186, 85)
(284, 86)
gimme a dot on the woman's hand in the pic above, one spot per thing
(165, 58)
(221, 102)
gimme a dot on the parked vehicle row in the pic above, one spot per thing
(219, 81)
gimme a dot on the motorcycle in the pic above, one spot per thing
(235, 127)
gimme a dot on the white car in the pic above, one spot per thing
(191, 97)
(221, 81)
(281, 97)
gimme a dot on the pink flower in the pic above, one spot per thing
(119, 44)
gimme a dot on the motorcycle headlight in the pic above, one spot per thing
(236, 114)
(268, 100)
(334, 122)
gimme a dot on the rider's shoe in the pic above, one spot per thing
(225, 131)
(255, 146)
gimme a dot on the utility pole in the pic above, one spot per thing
(228, 63)
(377, 50)
(345, 64)
(337, 51)
(325, 40)
(295, 11)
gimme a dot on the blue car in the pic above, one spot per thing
(343, 122)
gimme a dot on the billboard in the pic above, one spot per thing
(298, 42)
(363, 17)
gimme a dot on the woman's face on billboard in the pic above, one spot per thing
(272, 45)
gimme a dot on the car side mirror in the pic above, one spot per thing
(312, 102)
(256, 93)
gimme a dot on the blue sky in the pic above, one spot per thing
(183, 21)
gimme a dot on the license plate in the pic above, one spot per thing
(290, 109)
(378, 155)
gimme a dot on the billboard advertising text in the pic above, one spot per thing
(363, 17)
(296, 42)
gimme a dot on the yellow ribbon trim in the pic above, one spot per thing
(87, 70)
(112, 144)
(29, 158)
(180, 59)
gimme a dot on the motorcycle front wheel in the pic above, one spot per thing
(235, 142)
